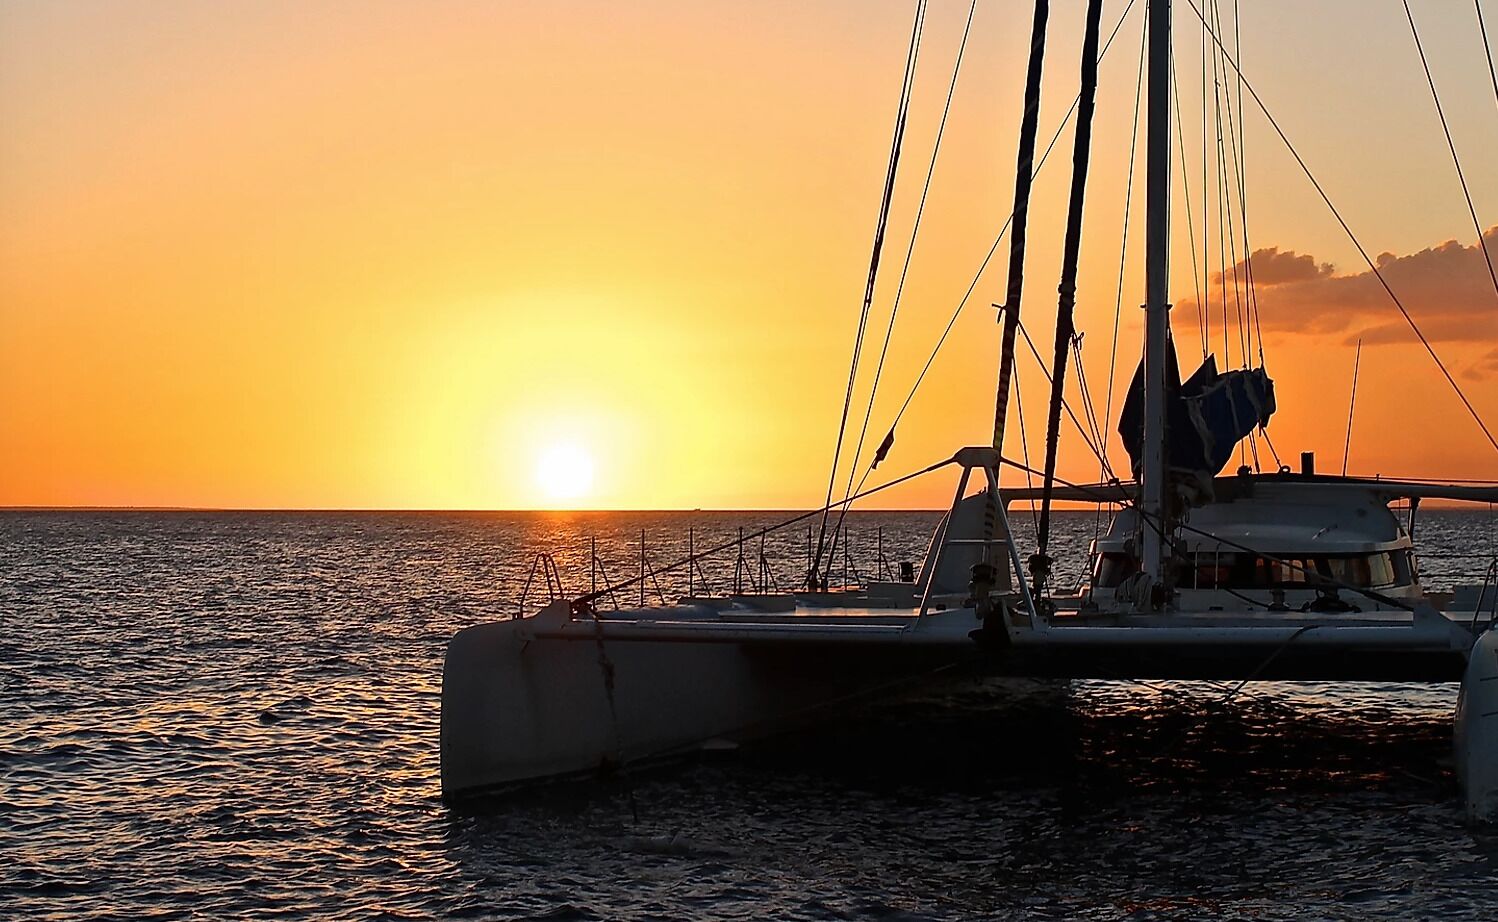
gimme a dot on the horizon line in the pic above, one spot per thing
(324, 509)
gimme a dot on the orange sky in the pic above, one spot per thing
(388, 255)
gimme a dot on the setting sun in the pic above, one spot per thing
(433, 243)
(564, 472)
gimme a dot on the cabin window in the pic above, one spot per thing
(1234, 570)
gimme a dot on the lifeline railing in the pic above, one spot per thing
(755, 570)
(970, 460)
(584, 604)
(1489, 591)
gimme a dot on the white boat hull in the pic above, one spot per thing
(517, 708)
(1477, 731)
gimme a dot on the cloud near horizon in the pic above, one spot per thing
(1445, 288)
(1483, 367)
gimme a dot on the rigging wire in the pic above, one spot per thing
(1483, 28)
(1242, 154)
(1206, 214)
(1065, 404)
(1014, 283)
(587, 599)
(1276, 455)
(1219, 162)
(1476, 417)
(1248, 263)
(902, 113)
(1065, 329)
(1352, 403)
(1024, 444)
(1240, 294)
(983, 266)
(905, 270)
(1123, 249)
(1190, 226)
(1471, 209)
(1089, 409)
(1224, 183)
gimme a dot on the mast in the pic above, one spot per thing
(1065, 328)
(1152, 474)
(1024, 173)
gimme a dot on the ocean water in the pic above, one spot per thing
(215, 714)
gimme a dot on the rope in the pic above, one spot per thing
(1471, 209)
(902, 112)
(1358, 244)
(607, 673)
(904, 271)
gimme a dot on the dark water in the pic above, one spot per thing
(213, 714)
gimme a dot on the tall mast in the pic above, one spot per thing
(1065, 329)
(1152, 472)
(1024, 172)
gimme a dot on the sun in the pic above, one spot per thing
(564, 472)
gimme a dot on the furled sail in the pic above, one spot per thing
(1206, 416)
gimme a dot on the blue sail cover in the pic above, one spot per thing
(1206, 416)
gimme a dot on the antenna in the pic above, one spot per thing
(1352, 402)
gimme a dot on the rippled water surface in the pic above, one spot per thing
(205, 714)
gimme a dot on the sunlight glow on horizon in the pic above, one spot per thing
(267, 254)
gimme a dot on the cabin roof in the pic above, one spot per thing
(1383, 490)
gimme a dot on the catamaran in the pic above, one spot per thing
(1249, 575)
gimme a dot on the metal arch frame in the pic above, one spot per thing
(986, 459)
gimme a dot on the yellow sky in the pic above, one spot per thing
(390, 255)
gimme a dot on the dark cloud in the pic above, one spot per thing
(1445, 288)
(1271, 267)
